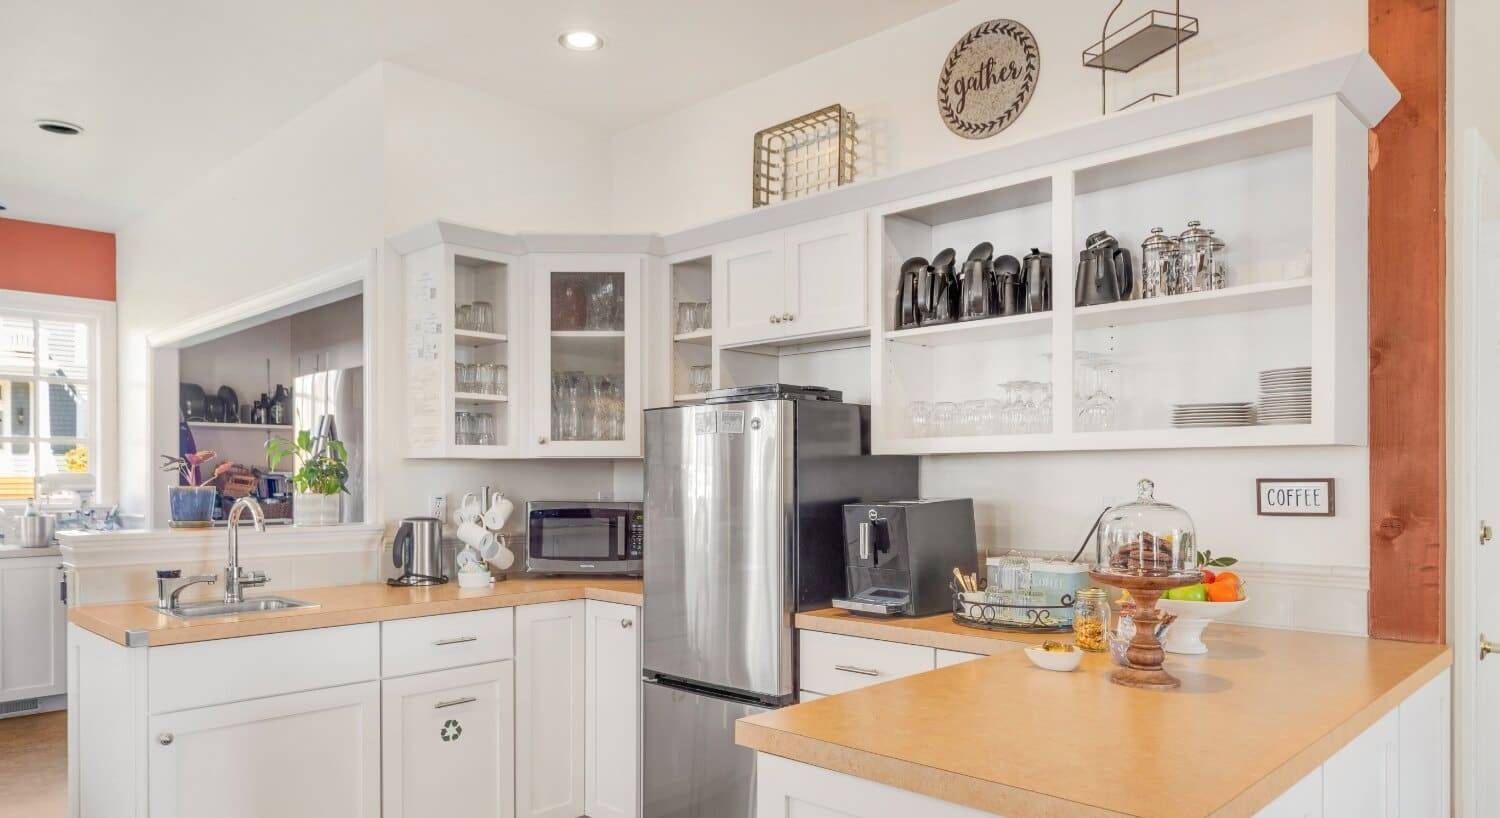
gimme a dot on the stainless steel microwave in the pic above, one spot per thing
(584, 537)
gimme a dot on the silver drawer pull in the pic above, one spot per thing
(457, 640)
(627, 624)
(454, 702)
(863, 671)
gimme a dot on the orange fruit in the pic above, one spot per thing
(1222, 591)
(1230, 577)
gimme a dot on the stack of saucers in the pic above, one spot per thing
(1190, 415)
(1285, 396)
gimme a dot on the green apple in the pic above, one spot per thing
(1189, 593)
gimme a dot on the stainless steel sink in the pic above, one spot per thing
(199, 610)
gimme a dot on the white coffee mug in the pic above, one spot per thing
(467, 511)
(475, 536)
(499, 513)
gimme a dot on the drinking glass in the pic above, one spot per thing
(919, 415)
(971, 417)
(700, 378)
(705, 315)
(484, 429)
(482, 316)
(945, 418)
(465, 376)
(484, 378)
(463, 426)
(502, 379)
(687, 317)
(606, 309)
(465, 317)
(994, 417)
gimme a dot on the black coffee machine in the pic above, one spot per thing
(899, 555)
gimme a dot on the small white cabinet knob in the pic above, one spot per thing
(165, 739)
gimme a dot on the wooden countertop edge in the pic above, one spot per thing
(1263, 792)
(1007, 799)
(957, 788)
(313, 618)
(987, 643)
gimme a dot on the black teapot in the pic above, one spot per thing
(1104, 272)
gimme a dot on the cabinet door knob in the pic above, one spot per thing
(165, 739)
(542, 441)
(788, 317)
(776, 319)
(626, 624)
(1486, 647)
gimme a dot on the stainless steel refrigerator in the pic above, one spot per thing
(744, 527)
(332, 403)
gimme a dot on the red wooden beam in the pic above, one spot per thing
(1408, 289)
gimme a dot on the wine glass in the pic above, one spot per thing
(919, 416)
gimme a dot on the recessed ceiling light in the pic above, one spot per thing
(59, 127)
(581, 41)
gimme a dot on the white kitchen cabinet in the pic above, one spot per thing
(448, 743)
(550, 734)
(1364, 778)
(825, 276)
(833, 663)
(439, 279)
(1303, 800)
(948, 658)
(314, 754)
(802, 282)
(33, 629)
(612, 710)
(749, 298)
(586, 338)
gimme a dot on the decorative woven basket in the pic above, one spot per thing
(805, 155)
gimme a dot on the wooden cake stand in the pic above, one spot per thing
(1144, 656)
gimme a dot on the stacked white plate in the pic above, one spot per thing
(1285, 396)
(1191, 415)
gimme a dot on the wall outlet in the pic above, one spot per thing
(437, 506)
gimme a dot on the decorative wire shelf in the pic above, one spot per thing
(801, 156)
(1138, 42)
(995, 616)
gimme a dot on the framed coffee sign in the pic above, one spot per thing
(988, 78)
(1294, 497)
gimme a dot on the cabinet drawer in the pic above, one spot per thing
(832, 664)
(252, 667)
(440, 642)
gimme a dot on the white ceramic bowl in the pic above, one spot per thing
(1055, 660)
(1186, 634)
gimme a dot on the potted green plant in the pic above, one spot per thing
(321, 478)
(190, 503)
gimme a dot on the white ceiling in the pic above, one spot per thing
(170, 89)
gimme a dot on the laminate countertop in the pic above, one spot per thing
(138, 624)
(1254, 716)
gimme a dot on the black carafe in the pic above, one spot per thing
(1036, 275)
(1012, 289)
(908, 292)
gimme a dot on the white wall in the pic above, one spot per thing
(304, 199)
(464, 156)
(691, 166)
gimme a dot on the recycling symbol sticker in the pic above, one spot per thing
(451, 730)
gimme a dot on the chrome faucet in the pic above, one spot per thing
(171, 584)
(235, 578)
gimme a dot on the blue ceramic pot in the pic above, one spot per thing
(192, 504)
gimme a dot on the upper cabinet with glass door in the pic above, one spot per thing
(586, 356)
(463, 324)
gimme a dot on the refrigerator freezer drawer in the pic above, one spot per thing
(692, 767)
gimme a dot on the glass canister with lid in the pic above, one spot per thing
(1091, 620)
(1196, 245)
(1146, 538)
(1159, 264)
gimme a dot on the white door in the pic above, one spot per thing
(825, 276)
(612, 707)
(33, 629)
(1479, 735)
(749, 287)
(550, 668)
(448, 743)
(586, 333)
(303, 755)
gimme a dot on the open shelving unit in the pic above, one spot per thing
(690, 281)
(1286, 191)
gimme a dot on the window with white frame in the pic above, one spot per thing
(49, 388)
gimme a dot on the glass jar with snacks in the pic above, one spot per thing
(1090, 620)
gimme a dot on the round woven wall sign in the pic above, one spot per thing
(988, 78)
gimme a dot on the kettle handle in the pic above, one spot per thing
(401, 546)
(1123, 274)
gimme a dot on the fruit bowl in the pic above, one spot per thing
(1059, 660)
(1186, 634)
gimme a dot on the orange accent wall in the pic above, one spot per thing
(45, 258)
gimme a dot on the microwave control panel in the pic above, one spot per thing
(635, 540)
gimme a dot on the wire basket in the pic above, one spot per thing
(811, 153)
(996, 616)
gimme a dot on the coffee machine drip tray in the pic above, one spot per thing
(877, 601)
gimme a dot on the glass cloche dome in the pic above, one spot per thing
(1146, 538)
